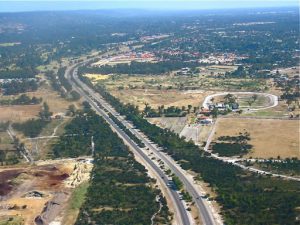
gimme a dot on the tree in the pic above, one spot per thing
(75, 95)
(161, 109)
(147, 108)
(196, 109)
(250, 102)
(2, 156)
(230, 98)
(45, 114)
(86, 105)
(189, 108)
(215, 112)
(72, 110)
(254, 97)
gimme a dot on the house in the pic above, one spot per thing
(220, 106)
(204, 120)
(206, 112)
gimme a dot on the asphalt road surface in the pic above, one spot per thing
(181, 215)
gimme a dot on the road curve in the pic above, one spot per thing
(181, 215)
(273, 99)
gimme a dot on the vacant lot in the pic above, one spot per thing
(24, 191)
(18, 113)
(176, 124)
(96, 77)
(5, 141)
(157, 98)
(270, 138)
(279, 111)
(56, 103)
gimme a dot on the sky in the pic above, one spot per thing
(38, 5)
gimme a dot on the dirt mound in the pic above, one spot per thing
(52, 209)
(81, 173)
(34, 194)
(6, 178)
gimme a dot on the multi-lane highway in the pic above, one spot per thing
(95, 100)
(98, 104)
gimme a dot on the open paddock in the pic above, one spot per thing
(157, 98)
(18, 113)
(56, 103)
(269, 137)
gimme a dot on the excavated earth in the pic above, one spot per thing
(39, 194)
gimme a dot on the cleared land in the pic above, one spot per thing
(96, 77)
(56, 103)
(270, 138)
(198, 81)
(18, 113)
(175, 124)
(26, 190)
(157, 98)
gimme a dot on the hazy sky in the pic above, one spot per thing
(32, 5)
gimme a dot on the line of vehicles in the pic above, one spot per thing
(151, 153)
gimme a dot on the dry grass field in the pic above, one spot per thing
(157, 98)
(56, 103)
(96, 77)
(6, 143)
(176, 124)
(270, 138)
(18, 113)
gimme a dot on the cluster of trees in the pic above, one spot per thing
(33, 127)
(114, 168)
(55, 80)
(139, 68)
(287, 166)
(7, 157)
(244, 196)
(232, 145)
(60, 84)
(14, 87)
(239, 73)
(290, 89)
(229, 99)
(171, 111)
(63, 80)
(22, 100)
(18, 74)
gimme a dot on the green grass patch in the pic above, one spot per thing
(76, 200)
(11, 220)
(78, 196)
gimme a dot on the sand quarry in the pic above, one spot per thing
(39, 194)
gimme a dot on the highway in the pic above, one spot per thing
(204, 211)
(181, 215)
